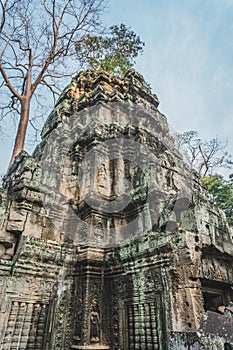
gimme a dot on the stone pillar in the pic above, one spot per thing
(91, 308)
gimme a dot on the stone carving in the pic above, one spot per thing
(29, 320)
(26, 283)
(103, 180)
(78, 321)
(119, 188)
(95, 322)
(77, 271)
(99, 231)
(60, 322)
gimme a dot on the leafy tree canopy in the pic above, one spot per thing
(114, 52)
(221, 192)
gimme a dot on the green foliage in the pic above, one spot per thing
(221, 192)
(115, 52)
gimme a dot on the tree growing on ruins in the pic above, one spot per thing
(221, 193)
(207, 158)
(114, 52)
(204, 156)
(37, 45)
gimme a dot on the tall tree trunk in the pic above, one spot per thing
(22, 128)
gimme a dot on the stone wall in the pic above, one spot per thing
(107, 239)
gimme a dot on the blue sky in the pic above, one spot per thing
(188, 61)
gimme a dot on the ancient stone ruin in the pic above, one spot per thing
(108, 240)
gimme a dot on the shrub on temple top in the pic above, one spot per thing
(114, 52)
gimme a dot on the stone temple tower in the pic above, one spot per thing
(108, 239)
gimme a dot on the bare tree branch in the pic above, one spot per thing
(3, 18)
(35, 38)
(8, 83)
(203, 156)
